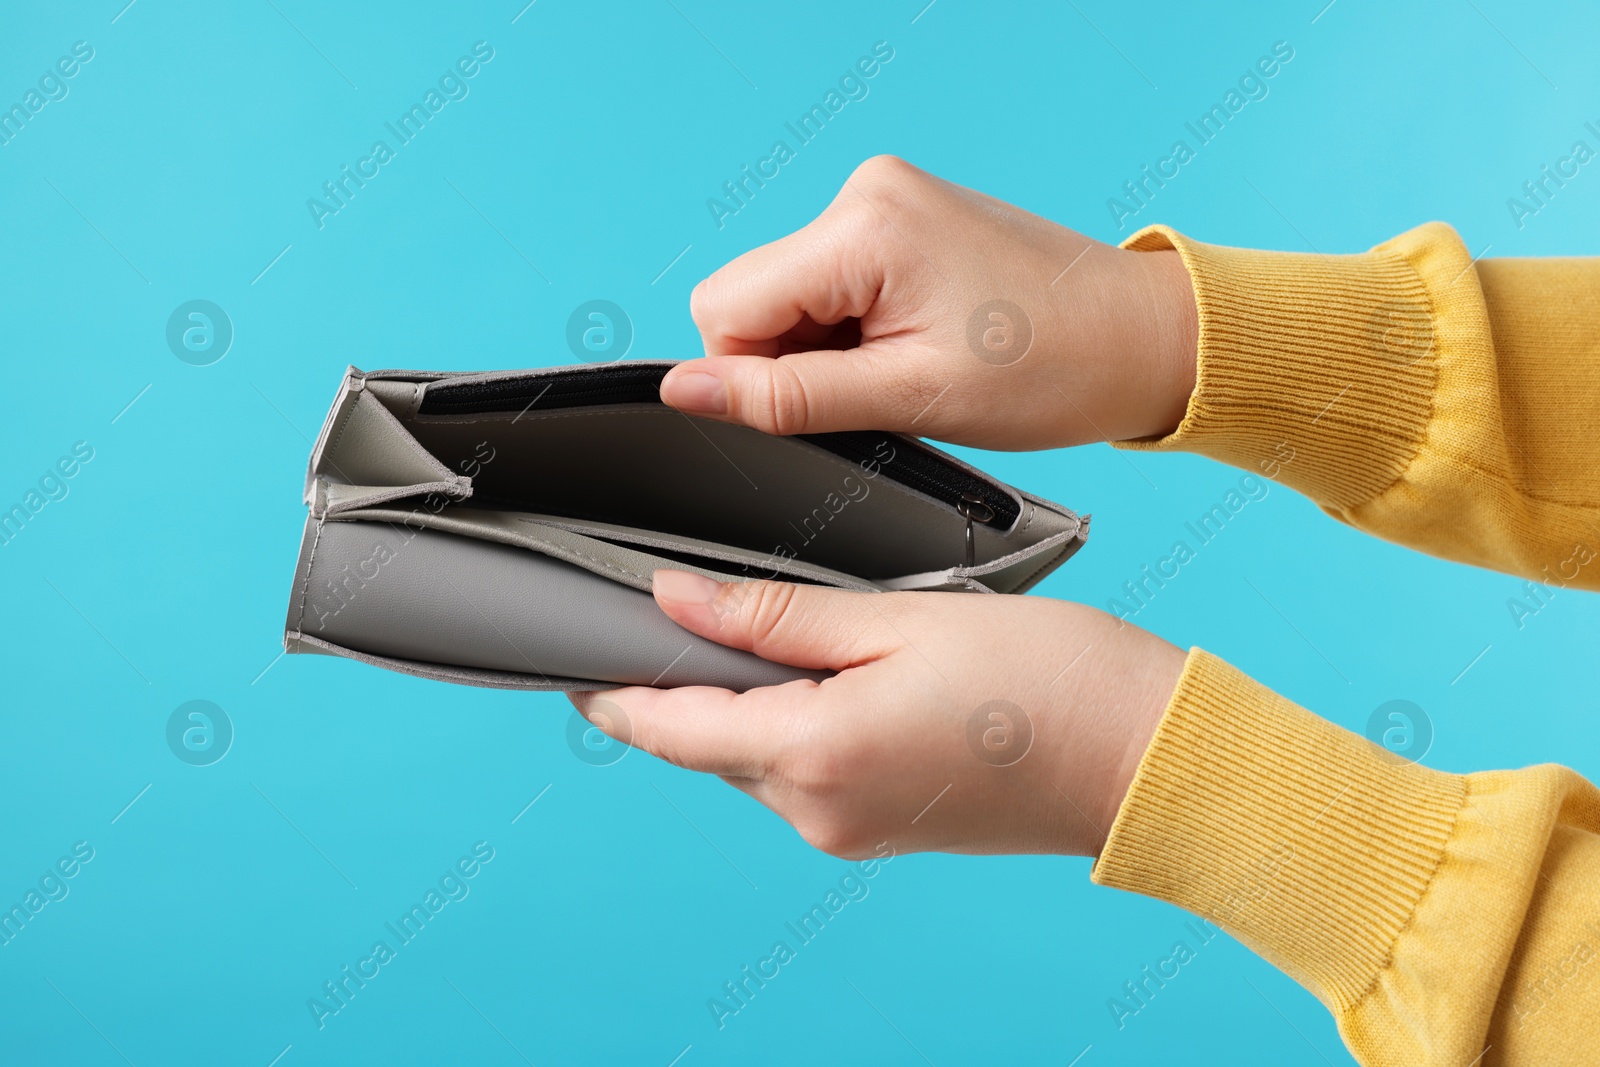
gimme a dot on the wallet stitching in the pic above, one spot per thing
(644, 550)
(556, 549)
(550, 547)
(591, 559)
(479, 676)
(305, 589)
(344, 424)
(1066, 547)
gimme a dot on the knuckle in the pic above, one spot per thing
(703, 301)
(647, 738)
(891, 199)
(667, 753)
(816, 771)
(887, 171)
(764, 606)
(779, 404)
(825, 763)
(831, 834)
(820, 768)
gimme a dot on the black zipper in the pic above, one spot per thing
(911, 463)
(581, 387)
(920, 467)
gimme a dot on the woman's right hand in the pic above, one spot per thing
(916, 305)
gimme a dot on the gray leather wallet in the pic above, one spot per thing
(501, 528)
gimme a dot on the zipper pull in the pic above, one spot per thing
(972, 508)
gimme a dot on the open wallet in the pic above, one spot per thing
(502, 528)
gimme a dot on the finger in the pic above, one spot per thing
(820, 271)
(808, 335)
(801, 625)
(698, 727)
(754, 788)
(868, 388)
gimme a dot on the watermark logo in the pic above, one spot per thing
(599, 331)
(999, 333)
(452, 86)
(1402, 728)
(1401, 332)
(1537, 192)
(453, 885)
(53, 485)
(603, 738)
(1254, 886)
(1252, 86)
(332, 595)
(740, 191)
(1140, 591)
(199, 733)
(999, 733)
(1536, 596)
(51, 87)
(199, 333)
(852, 887)
(52, 887)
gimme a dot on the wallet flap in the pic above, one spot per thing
(365, 455)
(427, 596)
(599, 550)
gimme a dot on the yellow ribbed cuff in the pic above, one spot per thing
(1310, 845)
(1316, 370)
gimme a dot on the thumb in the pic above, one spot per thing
(801, 625)
(866, 388)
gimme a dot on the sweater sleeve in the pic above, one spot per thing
(1444, 919)
(1448, 405)
(1412, 392)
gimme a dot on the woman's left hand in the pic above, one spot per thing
(955, 723)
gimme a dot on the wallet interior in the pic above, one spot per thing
(595, 452)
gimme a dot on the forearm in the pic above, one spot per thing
(1425, 909)
(1409, 391)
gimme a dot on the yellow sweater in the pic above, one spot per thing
(1455, 407)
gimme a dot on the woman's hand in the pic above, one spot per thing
(956, 723)
(916, 305)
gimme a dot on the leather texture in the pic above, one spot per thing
(424, 595)
(502, 528)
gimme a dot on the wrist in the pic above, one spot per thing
(1099, 728)
(1143, 688)
(1171, 340)
(1139, 329)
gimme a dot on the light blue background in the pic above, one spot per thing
(618, 904)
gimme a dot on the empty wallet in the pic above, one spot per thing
(502, 528)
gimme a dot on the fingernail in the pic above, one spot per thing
(684, 587)
(696, 392)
